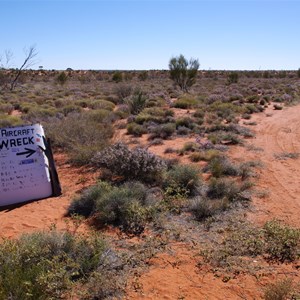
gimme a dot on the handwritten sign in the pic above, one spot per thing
(24, 167)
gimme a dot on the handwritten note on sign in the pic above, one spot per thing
(24, 168)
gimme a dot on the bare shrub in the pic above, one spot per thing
(138, 163)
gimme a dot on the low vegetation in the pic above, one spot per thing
(138, 191)
(48, 265)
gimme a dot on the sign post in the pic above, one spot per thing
(27, 170)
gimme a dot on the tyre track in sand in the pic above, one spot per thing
(277, 133)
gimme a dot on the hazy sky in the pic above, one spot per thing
(146, 34)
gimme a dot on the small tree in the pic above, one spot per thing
(233, 77)
(183, 72)
(62, 78)
(298, 73)
(30, 55)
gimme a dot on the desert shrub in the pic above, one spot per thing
(117, 76)
(6, 107)
(8, 121)
(156, 102)
(152, 114)
(228, 138)
(185, 103)
(61, 78)
(251, 108)
(199, 113)
(183, 177)
(44, 265)
(252, 99)
(125, 206)
(183, 72)
(189, 147)
(102, 104)
(241, 130)
(143, 75)
(163, 131)
(70, 108)
(219, 188)
(279, 290)
(220, 166)
(137, 102)
(182, 130)
(137, 164)
(233, 77)
(283, 242)
(85, 204)
(196, 157)
(81, 135)
(128, 206)
(277, 107)
(224, 110)
(203, 208)
(185, 122)
(136, 129)
(123, 91)
(207, 155)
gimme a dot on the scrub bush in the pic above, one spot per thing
(81, 135)
(136, 164)
(283, 242)
(128, 206)
(183, 177)
(45, 265)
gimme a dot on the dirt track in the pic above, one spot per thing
(277, 133)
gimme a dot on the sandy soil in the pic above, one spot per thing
(277, 133)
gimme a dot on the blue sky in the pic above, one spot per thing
(231, 35)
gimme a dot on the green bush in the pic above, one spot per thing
(163, 131)
(136, 164)
(226, 188)
(62, 78)
(203, 208)
(152, 114)
(283, 242)
(117, 77)
(123, 91)
(127, 206)
(183, 177)
(85, 204)
(183, 72)
(233, 77)
(9, 121)
(81, 135)
(185, 122)
(137, 102)
(220, 166)
(6, 107)
(136, 129)
(185, 103)
(102, 104)
(44, 265)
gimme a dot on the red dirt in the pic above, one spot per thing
(276, 132)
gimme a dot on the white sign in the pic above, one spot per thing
(24, 168)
